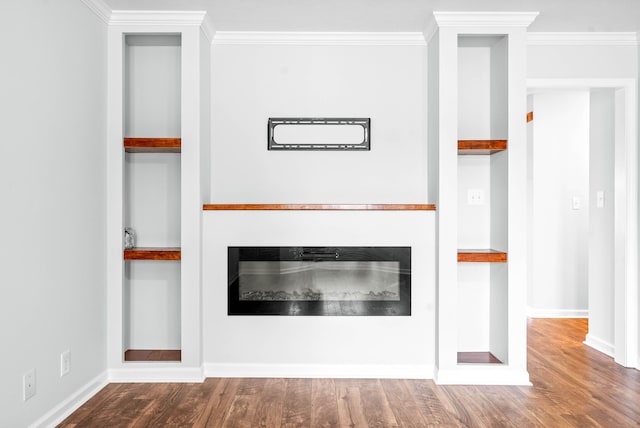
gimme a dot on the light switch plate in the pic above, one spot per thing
(576, 203)
(65, 363)
(29, 384)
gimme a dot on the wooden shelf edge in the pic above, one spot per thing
(319, 207)
(482, 256)
(477, 358)
(152, 145)
(529, 116)
(481, 147)
(153, 355)
(171, 253)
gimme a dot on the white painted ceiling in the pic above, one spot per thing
(393, 15)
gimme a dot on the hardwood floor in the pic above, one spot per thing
(574, 386)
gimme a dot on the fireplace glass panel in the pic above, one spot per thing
(327, 280)
(319, 281)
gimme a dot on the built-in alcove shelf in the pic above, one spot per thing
(152, 145)
(477, 358)
(169, 253)
(479, 256)
(151, 355)
(481, 147)
(319, 207)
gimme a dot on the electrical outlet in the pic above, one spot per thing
(29, 384)
(475, 197)
(65, 363)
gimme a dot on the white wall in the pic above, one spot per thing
(152, 305)
(474, 91)
(52, 182)
(601, 220)
(152, 86)
(152, 198)
(251, 83)
(529, 200)
(581, 62)
(560, 233)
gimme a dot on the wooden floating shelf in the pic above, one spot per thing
(477, 358)
(153, 355)
(481, 147)
(319, 207)
(172, 253)
(480, 256)
(152, 145)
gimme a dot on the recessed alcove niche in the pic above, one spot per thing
(482, 198)
(156, 127)
(152, 196)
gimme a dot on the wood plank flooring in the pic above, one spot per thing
(574, 386)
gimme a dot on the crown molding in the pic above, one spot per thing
(142, 17)
(582, 39)
(157, 17)
(319, 38)
(430, 29)
(484, 19)
(208, 29)
(99, 8)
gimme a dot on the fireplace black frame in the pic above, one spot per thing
(401, 307)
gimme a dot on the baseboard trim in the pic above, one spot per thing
(156, 375)
(356, 371)
(600, 345)
(482, 375)
(557, 313)
(72, 403)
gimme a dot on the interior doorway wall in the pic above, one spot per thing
(602, 138)
(622, 317)
(559, 203)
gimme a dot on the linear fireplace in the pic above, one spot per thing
(319, 281)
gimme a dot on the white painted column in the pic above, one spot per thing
(195, 49)
(191, 200)
(517, 203)
(447, 204)
(115, 182)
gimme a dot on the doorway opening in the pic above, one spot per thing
(583, 208)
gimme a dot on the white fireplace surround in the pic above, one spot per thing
(342, 346)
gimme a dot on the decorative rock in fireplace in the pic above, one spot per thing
(319, 281)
